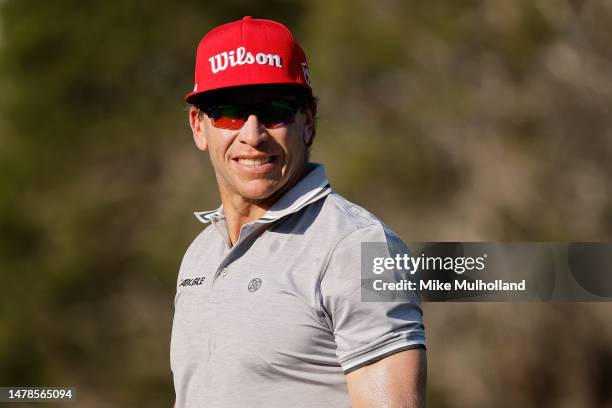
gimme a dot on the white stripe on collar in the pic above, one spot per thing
(207, 216)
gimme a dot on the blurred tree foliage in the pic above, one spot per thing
(452, 120)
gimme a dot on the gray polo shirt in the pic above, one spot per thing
(277, 320)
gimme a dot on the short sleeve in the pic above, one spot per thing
(366, 332)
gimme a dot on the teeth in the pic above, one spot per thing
(254, 162)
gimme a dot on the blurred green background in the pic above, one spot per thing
(450, 120)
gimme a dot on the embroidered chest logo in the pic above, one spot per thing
(192, 281)
(254, 284)
(241, 56)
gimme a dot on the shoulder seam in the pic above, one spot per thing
(346, 209)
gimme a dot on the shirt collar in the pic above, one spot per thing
(208, 216)
(312, 187)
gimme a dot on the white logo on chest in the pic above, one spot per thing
(241, 56)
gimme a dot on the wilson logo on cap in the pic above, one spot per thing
(241, 56)
(248, 52)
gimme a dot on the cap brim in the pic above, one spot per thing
(192, 97)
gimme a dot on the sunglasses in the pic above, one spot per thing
(272, 114)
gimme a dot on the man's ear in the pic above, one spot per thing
(308, 126)
(196, 121)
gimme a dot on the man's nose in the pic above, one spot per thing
(253, 132)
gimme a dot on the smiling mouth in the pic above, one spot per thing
(256, 162)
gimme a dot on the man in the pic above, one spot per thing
(268, 309)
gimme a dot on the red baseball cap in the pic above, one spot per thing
(248, 52)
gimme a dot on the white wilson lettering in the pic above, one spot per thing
(241, 56)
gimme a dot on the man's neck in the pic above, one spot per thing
(240, 211)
